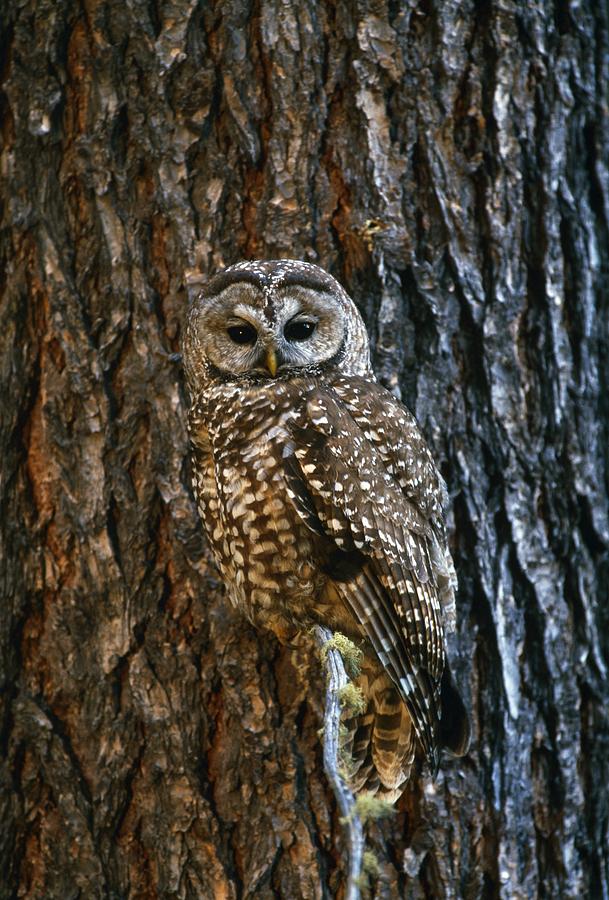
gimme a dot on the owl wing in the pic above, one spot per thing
(341, 486)
(393, 432)
(396, 437)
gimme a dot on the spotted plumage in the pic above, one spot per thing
(322, 502)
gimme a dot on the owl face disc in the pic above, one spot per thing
(272, 319)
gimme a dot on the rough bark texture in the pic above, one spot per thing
(447, 161)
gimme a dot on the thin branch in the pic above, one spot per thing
(337, 679)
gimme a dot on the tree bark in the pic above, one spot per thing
(447, 161)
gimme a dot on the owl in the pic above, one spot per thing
(322, 503)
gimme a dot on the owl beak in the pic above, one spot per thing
(271, 362)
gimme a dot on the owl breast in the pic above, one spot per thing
(264, 551)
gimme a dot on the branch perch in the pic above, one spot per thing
(337, 679)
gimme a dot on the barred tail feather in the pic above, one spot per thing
(381, 741)
(393, 745)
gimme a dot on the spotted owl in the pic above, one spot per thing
(322, 503)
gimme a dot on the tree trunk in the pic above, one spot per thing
(447, 161)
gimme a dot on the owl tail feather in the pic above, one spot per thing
(381, 744)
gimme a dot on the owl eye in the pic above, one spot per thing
(242, 334)
(299, 331)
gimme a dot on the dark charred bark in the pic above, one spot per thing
(447, 161)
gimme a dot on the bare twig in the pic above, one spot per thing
(337, 679)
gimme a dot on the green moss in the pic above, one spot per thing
(370, 864)
(370, 872)
(352, 699)
(370, 808)
(351, 655)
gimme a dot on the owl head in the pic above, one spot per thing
(274, 319)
